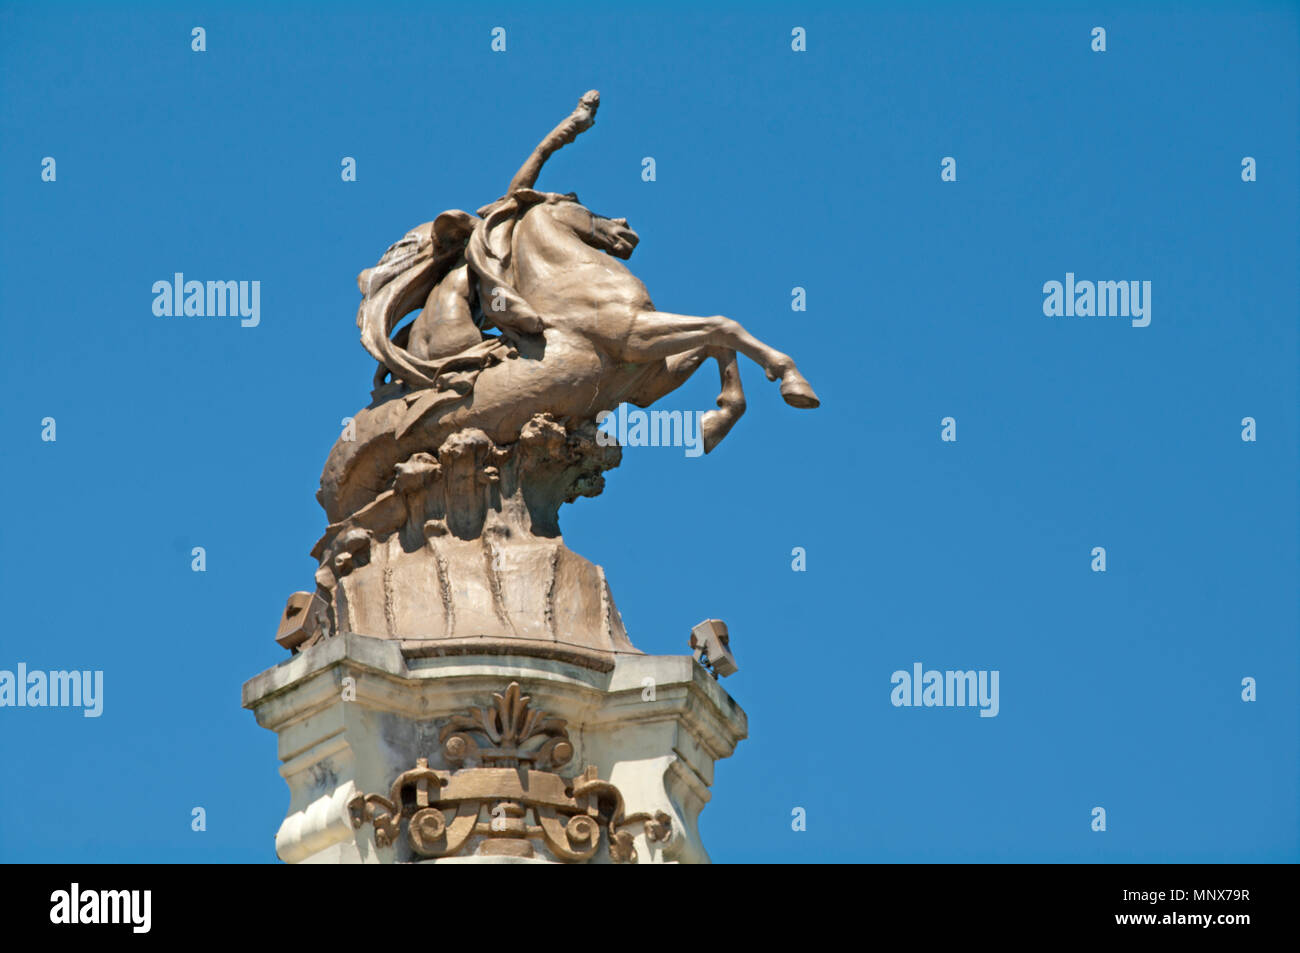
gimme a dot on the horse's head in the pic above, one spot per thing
(610, 235)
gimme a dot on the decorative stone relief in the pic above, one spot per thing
(505, 796)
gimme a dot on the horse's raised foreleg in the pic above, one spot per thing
(662, 334)
(673, 372)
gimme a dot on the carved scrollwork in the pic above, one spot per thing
(509, 727)
(506, 792)
(609, 800)
(362, 808)
(427, 827)
(458, 747)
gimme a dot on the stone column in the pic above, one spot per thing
(396, 756)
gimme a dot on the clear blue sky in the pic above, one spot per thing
(775, 169)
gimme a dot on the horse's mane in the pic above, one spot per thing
(490, 253)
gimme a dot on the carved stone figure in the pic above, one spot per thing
(443, 498)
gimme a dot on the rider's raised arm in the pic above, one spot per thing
(580, 120)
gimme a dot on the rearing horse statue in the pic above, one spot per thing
(575, 332)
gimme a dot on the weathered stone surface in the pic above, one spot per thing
(352, 715)
(464, 552)
(443, 495)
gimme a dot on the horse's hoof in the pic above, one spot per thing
(798, 392)
(715, 425)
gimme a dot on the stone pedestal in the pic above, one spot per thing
(394, 757)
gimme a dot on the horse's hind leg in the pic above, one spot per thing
(715, 424)
(674, 371)
(661, 334)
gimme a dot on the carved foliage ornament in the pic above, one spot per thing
(506, 791)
